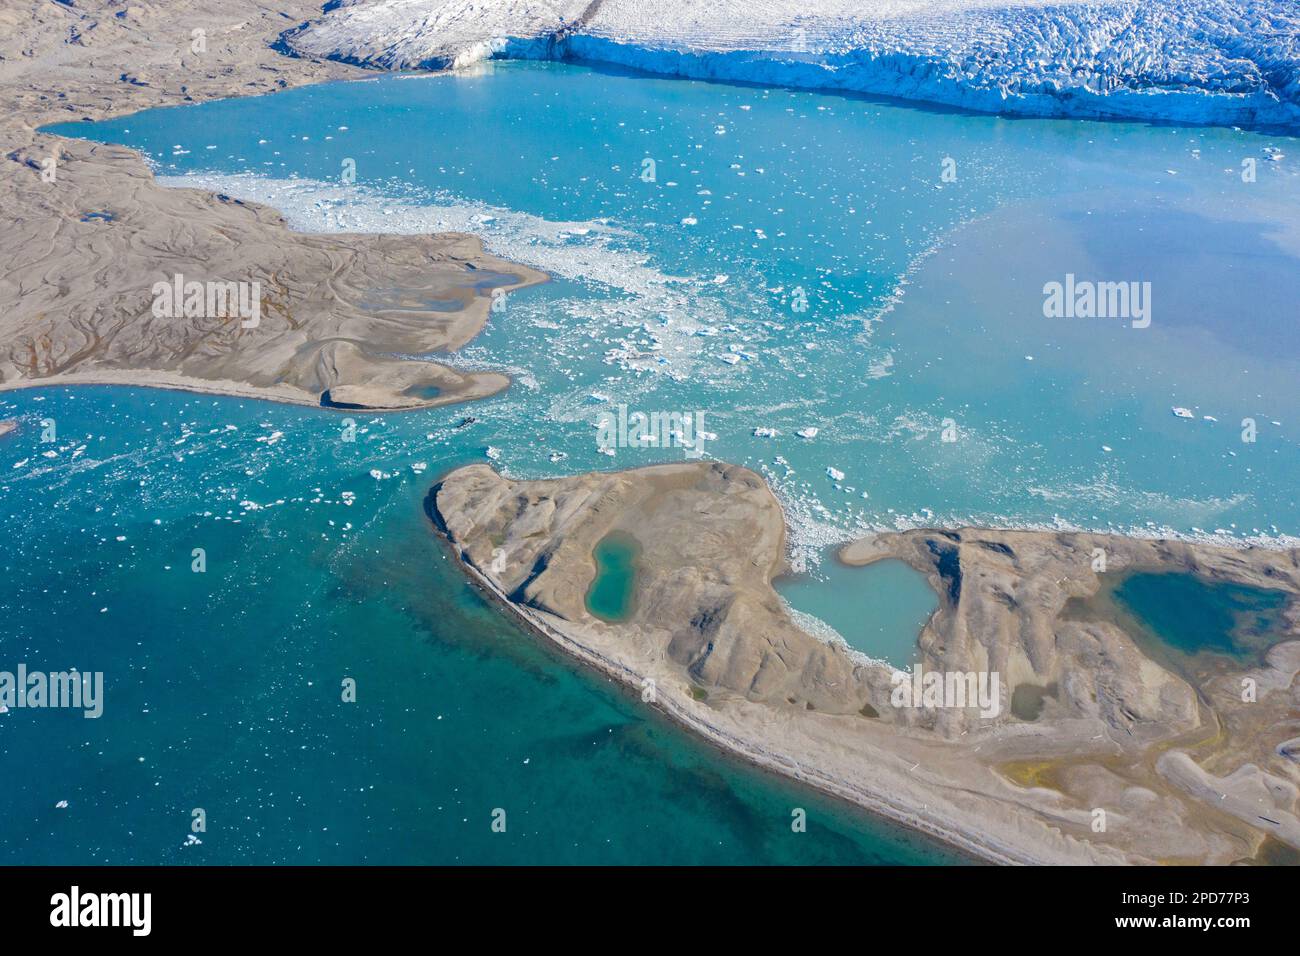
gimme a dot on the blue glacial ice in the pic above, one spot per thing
(1218, 62)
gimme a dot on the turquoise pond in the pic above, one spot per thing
(1193, 616)
(878, 610)
(686, 292)
(613, 590)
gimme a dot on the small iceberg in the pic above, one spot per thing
(1181, 412)
(835, 474)
(765, 432)
(809, 432)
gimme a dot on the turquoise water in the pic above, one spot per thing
(878, 610)
(223, 688)
(923, 297)
(614, 587)
(683, 293)
(1195, 616)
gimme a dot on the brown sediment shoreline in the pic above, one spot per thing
(1122, 735)
(87, 231)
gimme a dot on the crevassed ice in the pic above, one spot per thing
(1197, 61)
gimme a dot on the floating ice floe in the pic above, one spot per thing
(493, 453)
(809, 432)
(419, 467)
(378, 475)
(765, 432)
(1181, 412)
(62, 805)
(835, 474)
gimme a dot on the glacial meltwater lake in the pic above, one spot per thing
(877, 610)
(779, 261)
(613, 590)
(1183, 620)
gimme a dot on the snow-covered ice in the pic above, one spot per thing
(1229, 62)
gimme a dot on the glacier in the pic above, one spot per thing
(1214, 62)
